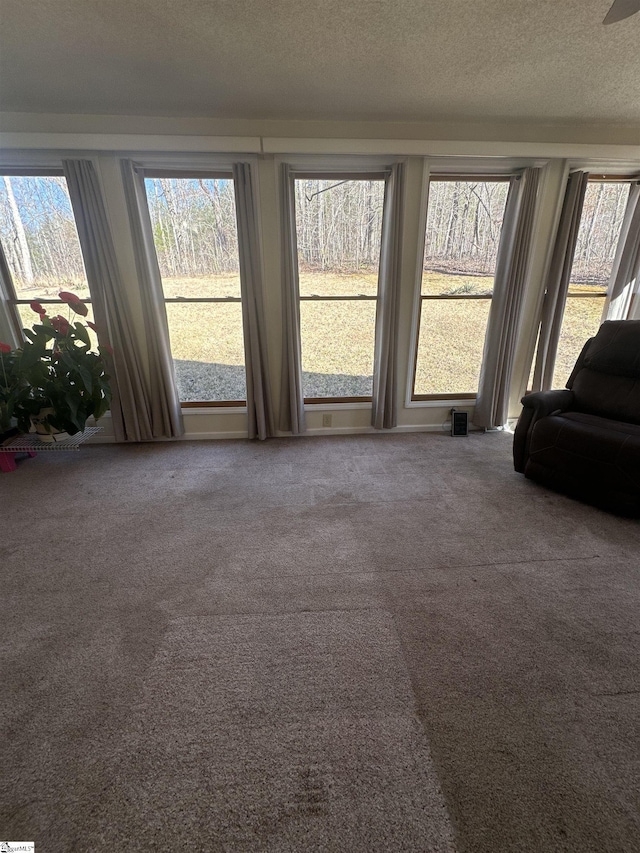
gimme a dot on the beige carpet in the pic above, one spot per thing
(243, 646)
(274, 733)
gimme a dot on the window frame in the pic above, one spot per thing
(595, 177)
(414, 399)
(13, 301)
(213, 173)
(337, 174)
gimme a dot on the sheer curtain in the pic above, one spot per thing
(163, 402)
(384, 406)
(9, 326)
(492, 405)
(130, 404)
(557, 284)
(292, 417)
(259, 403)
(623, 299)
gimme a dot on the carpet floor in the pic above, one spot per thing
(363, 643)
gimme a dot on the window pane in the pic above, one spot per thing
(338, 284)
(196, 240)
(600, 224)
(39, 237)
(337, 351)
(208, 351)
(195, 234)
(29, 317)
(598, 234)
(464, 222)
(580, 322)
(450, 345)
(339, 226)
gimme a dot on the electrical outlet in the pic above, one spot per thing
(326, 420)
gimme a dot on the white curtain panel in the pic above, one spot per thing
(292, 417)
(259, 403)
(505, 316)
(623, 299)
(384, 406)
(557, 284)
(130, 411)
(9, 326)
(163, 401)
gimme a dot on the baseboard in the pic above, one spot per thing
(208, 436)
(192, 436)
(353, 430)
(368, 430)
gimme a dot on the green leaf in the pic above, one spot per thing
(32, 354)
(47, 331)
(86, 377)
(82, 333)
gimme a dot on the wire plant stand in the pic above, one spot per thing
(31, 444)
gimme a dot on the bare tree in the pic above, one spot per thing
(26, 266)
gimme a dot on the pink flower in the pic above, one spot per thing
(60, 324)
(5, 347)
(69, 298)
(37, 307)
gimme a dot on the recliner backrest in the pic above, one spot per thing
(616, 349)
(609, 382)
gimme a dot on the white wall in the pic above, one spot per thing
(43, 140)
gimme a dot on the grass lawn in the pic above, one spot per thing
(338, 337)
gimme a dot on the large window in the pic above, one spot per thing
(40, 242)
(338, 226)
(196, 240)
(600, 224)
(464, 222)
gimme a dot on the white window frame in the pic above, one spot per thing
(12, 301)
(339, 167)
(461, 169)
(165, 167)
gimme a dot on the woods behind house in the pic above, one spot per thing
(338, 228)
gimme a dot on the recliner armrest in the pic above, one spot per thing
(545, 402)
(538, 405)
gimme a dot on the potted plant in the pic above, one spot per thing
(54, 381)
(14, 389)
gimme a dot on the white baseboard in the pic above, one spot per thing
(354, 430)
(208, 436)
(368, 430)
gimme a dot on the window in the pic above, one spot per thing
(40, 242)
(196, 240)
(464, 222)
(598, 234)
(338, 229)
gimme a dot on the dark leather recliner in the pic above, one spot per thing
(584, 440)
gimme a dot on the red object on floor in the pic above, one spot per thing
(8, 459)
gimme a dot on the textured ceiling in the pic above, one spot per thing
(415, 60)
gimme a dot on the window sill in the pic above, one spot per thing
(213, 410)
(442, 403)
(334, 406)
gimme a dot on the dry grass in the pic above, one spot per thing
(338, 337)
